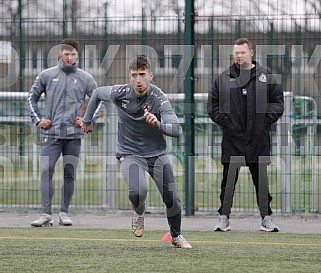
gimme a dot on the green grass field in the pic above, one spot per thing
(92, 250)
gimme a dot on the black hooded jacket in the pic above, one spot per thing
(245, 104)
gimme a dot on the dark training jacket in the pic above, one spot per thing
(245, 104)
(135, 135)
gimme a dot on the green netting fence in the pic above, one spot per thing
(110, 33)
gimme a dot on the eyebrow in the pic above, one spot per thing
(70, 53)
(240, 51)
(135, 73)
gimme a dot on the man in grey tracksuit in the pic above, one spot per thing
(145, 116)
(65, 87)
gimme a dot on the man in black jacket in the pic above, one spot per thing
(245, 100)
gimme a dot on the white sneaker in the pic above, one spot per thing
(64, 219)
(268, 225)
(223, 224)
(138, 225)
(45, 220)
(180, 242)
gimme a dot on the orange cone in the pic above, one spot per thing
(167, 237)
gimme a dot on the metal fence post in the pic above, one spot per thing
(189, 114)
(286, 152)
(112, 143)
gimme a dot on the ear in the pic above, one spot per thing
(151, 75)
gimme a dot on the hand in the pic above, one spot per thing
(45, 124)
(151, 118)
(78, 122)
(87, 128)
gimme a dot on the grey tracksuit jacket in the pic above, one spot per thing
(65, 89)
(135, 135)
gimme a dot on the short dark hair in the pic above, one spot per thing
(242, 41)
(69, 44)
(139, 62)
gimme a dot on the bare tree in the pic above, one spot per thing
(9, 15)
(90, 15)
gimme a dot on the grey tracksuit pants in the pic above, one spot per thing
(50, 153)
(160, 169)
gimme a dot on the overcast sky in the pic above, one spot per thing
(90, 14)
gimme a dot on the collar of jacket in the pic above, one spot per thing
(233, 71)
(67, 69)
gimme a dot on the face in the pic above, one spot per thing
(242, 56)
(140, 80)
(69, 57)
